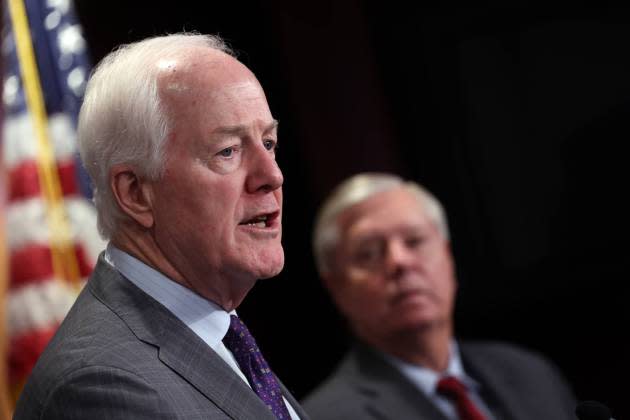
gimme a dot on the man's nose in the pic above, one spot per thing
(397, 258)
(264, 174)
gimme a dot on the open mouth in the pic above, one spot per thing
(262, 221)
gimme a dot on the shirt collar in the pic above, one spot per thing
(207, 319)
(426, 379)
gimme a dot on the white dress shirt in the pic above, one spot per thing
(205, 318)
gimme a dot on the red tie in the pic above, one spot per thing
(454, 390)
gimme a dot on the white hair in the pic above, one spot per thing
(355, 190)
(122, 119)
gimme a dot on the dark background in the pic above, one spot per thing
(517, 120)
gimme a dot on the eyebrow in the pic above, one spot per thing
(242, 129)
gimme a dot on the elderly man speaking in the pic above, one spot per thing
(383, 251)
(179, 141)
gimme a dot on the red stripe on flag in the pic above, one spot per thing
(24, 181)
(24, 350)
(33, 264)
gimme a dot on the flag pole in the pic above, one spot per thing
(4, 286)
(5, 411)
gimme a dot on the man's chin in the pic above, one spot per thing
(419, 322)
(271, 266)
(272, 271)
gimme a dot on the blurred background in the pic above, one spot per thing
(516, 118)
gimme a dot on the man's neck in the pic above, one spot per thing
(142, 245)
(427, 347)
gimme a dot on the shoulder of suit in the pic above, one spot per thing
(90, 335)
(336, 397)
(505, 355)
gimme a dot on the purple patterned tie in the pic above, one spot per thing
(262, 380)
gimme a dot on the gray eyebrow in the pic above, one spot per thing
(243, 129)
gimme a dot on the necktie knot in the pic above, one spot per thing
(238, 337)
(451, 387)
(252, 363)
(456, 391)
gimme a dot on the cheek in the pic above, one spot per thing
(440, 267)
(446, 283)
(366, 295)
(214, 200)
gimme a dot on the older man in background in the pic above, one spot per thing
(179, 141)
(383, 252)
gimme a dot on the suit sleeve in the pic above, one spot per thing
(101, 392)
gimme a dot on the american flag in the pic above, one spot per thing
(52, 242)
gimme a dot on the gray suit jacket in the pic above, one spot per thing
(516, 385)
(119, 354)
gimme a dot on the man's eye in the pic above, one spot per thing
(414, 241)
(368, 255)
(270, 144)
(227, 152)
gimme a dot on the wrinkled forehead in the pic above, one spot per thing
(205, 89)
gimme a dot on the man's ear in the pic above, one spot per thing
(327, 280)
(133, 194)
(332, 284)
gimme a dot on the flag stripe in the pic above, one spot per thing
(18, 144)
(38, 306)
(33, 264)
(27, 219)
(24, 182)
(24, 350)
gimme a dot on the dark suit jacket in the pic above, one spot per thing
(119, 354)
(515, 384)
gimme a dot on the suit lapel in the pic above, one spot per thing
(495, 385)
(196, 362)
(388, 393)
(179, 347)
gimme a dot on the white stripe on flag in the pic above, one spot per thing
(28, 225)
(19, 139)
(38, 306)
